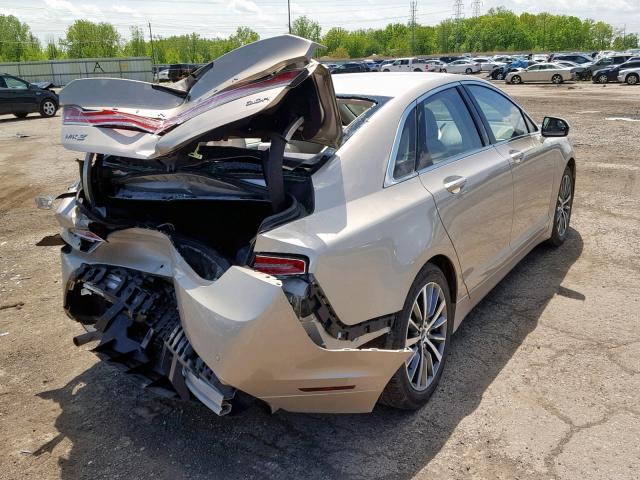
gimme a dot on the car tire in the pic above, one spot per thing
(516, 79)
(48, 108)
(557, 79)
(468, 71)
(416, 380)
(443, 70)
(386, 70)
(564, 206)
(602, 78)
(632, 79)
(21, 115)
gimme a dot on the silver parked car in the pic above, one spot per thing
(541, 72)
(461, 66)
(314, 242)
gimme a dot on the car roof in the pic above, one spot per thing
(391, 84)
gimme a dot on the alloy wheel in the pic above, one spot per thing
(632, 79)
(426, 336)
(557, 79)
(563, 207)
(602, 79)
(516, 79)
(49, 108)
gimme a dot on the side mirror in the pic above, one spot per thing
(554, 127)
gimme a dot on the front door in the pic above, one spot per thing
(533, 164)
(470, 182)
(19, 96)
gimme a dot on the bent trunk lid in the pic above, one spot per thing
(143, 120)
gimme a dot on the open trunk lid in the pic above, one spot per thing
(272, 86)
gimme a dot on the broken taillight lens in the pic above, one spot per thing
(280, 265)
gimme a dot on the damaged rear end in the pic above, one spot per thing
(159, 263)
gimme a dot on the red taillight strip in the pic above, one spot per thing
(327, 389)
(273, 265)
(109, 118)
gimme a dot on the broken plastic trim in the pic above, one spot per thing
(113, 118)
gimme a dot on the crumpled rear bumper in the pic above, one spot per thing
(245, 330)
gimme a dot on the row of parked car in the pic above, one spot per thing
(601, 67)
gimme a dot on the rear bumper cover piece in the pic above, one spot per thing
(244, 329)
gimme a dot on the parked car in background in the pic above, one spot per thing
(540, 57)
(371, 65)
(163, 75)
(384, 63)
(451, 59)
(610, 74)
(461, 66)
(20, 98)
(322, 281)
(630, 76)
(506, 59)
(612, 60)
(178, 71)
(540, 72)
(486, 64)
(579, 72)
(410, 64)
(434, 65)
(579, 58)
(350, 67)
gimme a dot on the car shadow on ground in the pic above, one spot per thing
(118, 430)
(12, 119)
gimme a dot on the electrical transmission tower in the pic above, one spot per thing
(458, 15)
(476, 5)
(413, 6)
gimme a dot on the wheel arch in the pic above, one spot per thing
(445, 264)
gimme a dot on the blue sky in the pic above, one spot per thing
(213, 18)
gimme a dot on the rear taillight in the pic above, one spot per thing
(280, 265)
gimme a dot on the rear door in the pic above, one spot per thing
(517, 139)
(470, 182)
(4, 97)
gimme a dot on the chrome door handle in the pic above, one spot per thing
(454, 184)
(516, 156)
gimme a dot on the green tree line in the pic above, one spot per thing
(498, 30)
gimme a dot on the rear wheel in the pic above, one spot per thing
(516, 79)
(557, 79)
(425, 326)
(21, 115)
(632, 79)
(386, 70)
(564, 204)
(417, 70)
(443, 70)
(602, 78)
(468, 71)
(48, 108)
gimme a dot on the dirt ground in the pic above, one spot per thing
(543, 379)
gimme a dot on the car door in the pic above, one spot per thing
(470, 183)
(4, 97)
(20, 96)
(533, 163)
(531, 74)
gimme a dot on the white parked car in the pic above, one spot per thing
(325, 268)
(487, 64)
(540, 57)
(435, 65)
(462, 66)
(541, 72)
(504, 58)
(163, 75)
(630, 76)
(411, 64)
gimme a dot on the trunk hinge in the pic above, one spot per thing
(272, 165)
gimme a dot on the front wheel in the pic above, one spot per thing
(632, 79)
(557, 79)
(564, 205)
(386, 70)
(603, 78)
(468, 71)
(417, 70)
(516, 80)
(48, 108)
(443, 70)
(424, 326)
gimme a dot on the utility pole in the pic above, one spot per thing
(458, 15)
(289, 11)
(413, 5)
(476, 5)
(153, 54)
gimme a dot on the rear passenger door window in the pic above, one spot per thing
(504, 117)
(405, 158)
(445, 128)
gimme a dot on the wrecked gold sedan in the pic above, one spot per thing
(312, 242)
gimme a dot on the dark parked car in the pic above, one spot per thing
(578, 58)
(350, 67)
(611, 61)
(21, 98)
(178, 71)
(610, 74)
